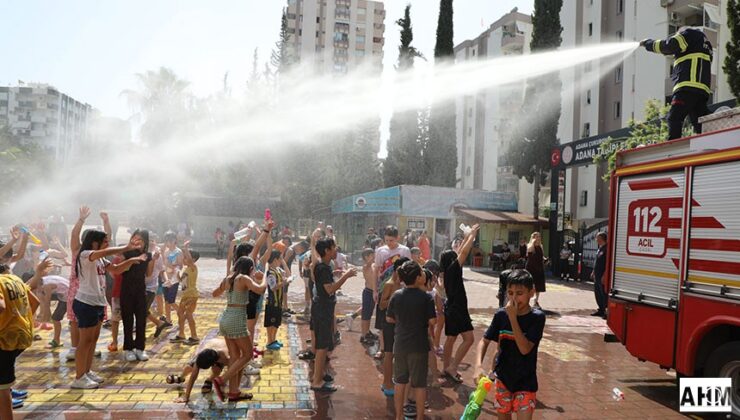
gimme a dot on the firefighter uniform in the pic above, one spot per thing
(692, 76)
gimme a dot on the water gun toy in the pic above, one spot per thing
(472, 410)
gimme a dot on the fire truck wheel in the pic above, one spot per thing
(725, 362)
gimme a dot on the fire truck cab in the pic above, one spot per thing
(673, 259)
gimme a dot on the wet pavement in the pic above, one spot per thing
(577, 370)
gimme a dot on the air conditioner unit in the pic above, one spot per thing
(675, 17)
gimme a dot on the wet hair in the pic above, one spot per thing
(429, 277)
(274, 255)
(391, 230)
(206, 359)
(290, 241)
(520, 278)
(375, 243)
(91, 236)
(170, 236)
(323, 245)
(409, 271)
(366, 252)
(243, 265)
(243, 250)
(399, 262)
(144, 238)
(601, 235)
(519, 264)
(446, 260)
(415, 251)
(433, 266)
(195, 255)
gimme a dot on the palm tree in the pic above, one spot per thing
(162, 103)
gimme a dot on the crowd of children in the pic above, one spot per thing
(414, 298)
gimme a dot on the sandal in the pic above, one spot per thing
(218, 386)
(175, 379)
(454, 378)
(207, 387)
(324, 388)
(239, 396)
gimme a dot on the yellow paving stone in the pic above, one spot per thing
(284, 397)
(288, 389)
(270, 389)
(142, 376)
(164, 397)
(94, 397)
(117, 397)
(263, 397)
(41, 397)
(67, 397)
(142, 397)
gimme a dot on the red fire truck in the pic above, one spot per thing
(673, 267)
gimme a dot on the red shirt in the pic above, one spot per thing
(424, 247)
(117, 279)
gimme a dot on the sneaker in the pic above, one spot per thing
(112, 347)
(162, 318)
(95, 377)
(18, 394)
(373, 335)
(307, 355)
(98, 353)
(251, 371)
(106, 324)
(130, 356)
(167, 324)
(161, 327)
(191, 341)
(71, 354)
(177, 339)
(255, 363)
(286, 314)
(17, 403)
(141, 355)
(600, 314)
(84, 382)
(273, 346)
(409, 410)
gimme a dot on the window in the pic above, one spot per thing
(590, 29)
(617, 110)
(620, 7)
(318, 19)
(361, 11)
(586, 130)
(584, 198)
(633, 83)
(588, 97)
(470, 131)
(359, 53)
(473, 53)
(467, 171)
(618, 75)
(620, 36)
(360, 39)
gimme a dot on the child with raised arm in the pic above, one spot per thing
(189, 297)
(517, 328)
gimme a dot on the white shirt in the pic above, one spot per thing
(92, 280)
(62, 284)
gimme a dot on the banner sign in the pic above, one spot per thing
(387, 200)
(582, 152)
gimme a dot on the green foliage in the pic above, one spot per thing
(653, 130)
(404, 164)
(529, 153)
(732, 60)
(445, 47)
(440, 150)
(282, 56)
(18, 159)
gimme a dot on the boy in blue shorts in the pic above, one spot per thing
(517, 328)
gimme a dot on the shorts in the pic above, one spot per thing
(59, 311)
(149, 300)
(411, 367)
(273, 316)
(367, 304)
(188, 301)
(170, 293)
(115, 309)
(7, 367)
(519, 402)
(379, 317)
(88, 316)
(322, 319)
(457, 322)
(389, 336)
(252, 310)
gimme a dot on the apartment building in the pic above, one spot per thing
(484, 120)
(337, 36)
(603, 96)
(41, 114)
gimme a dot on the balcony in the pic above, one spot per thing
(511, 43)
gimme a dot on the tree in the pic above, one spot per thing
(162, 101)
(17, 160)
(529, 154)
(732, 61)
(440, 150)
(404, 164)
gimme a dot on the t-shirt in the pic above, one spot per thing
(62, 284)
(152, 282)
(92, 280)
(426, 252)
(134, 279)
(518, 372)
(275, 294)
(322, 275)
(171, 265)
(340, 261)
(412, 308)
(16, 321)
(189, 281)
(457, 298)
(384, 259)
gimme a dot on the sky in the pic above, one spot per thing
(91, 49)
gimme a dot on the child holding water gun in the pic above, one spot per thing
(517, 328)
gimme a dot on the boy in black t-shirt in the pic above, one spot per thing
(322, 311)
(517, 328)
(411, 309)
